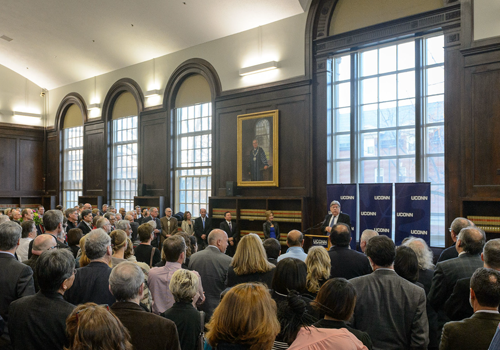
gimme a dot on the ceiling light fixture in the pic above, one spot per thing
(26, 114)
(259, 68)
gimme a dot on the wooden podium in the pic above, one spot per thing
(316, 240)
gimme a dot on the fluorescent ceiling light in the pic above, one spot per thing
(26, 114)
(259, 68)
(152, 93)
(93, 106)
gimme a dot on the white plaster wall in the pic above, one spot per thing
(486, 19)
(19, 94)
(282, 41)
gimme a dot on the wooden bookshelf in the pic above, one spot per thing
(95, 201)
(151, 201)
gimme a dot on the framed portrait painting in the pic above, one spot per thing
(258, 149)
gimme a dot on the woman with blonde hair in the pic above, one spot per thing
(82, 258)
(91, 326)
(318, 268)
(270, 227)
(245, 319)
(250, 263)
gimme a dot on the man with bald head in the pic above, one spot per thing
(40, 244)
(470, 243)
(365, 237)
(212, 264)
(295, 241)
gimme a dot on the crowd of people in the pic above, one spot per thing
(88, 279)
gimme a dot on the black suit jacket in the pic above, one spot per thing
(156, 242)
(235, 233)
(199, 231)
(348, 263)
(91, 285)
(457, 307)
(266, 227)
(16, 281)
(343, 218)
(39, 321)
(60, 245)
(147, 331)
(84, 227)
(448, 253)
(135, 235)
(187, 320)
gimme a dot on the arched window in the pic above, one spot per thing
(193, 134)
(72, 183)
(124, 153)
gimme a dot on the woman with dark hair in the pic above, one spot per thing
(74, 236)
(406, 264)
(336, 300)
(289, 288)
(92, 326)
(187, 223)
(244, 319)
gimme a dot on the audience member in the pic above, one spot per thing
(273, 250)
(94, 221)
(406, 264)
(457, 306)
(318, 269)
(400, 306)
(28, 234)
(158, 236)
(53, 224)
(91, 326)
(187, 224)
(212, 264)
(133, 227)
(294, 241)
(189, 249)
(16, 215)
(159, 277)
(147, 331)
(469, 245)
(477, 331)
(104, 224)
(3, 218)
(184, 286)
(111, 218)
(271, 228)
(124, 225)
(336, 300)
(74, 236)
(16, 278)
(91, 282)
(86, 224)
(39, 321)
(82, 257)
(72, 216)
(346, 263)
(245, 319)
(233, 234)
(202, 227)
(250, 263)
(104, 209)
(145, 252)
(41, 243)
(26, 215)
(365, 237)
(424, 257)
(119, 244)
(456, 226)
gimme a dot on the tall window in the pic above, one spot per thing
(73, 166)
(194, 157)
(124, 184)
(388, 109)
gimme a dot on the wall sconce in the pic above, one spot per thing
(152, 93)
(26, 114)
(259, 68)
(93, 106)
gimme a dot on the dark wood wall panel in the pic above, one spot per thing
(31, 165)
(8, 160)
(52, 163)
(95, 161)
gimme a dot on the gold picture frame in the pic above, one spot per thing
(258, 166)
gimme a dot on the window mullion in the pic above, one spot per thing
(419, 60)
(354, 117)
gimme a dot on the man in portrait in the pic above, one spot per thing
(257, 162)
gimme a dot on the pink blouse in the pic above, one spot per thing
(326, 339)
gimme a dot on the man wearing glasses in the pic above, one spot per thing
(53, 223)
(456, 226)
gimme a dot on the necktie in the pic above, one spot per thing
(333, 221)
(203, 219)
(230, 226)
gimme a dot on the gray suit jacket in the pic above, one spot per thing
(391, 310)
(212, 265)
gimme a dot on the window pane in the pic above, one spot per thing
(369, 90)
(435, 80)
(72, 166)
(387, 171)
(369, 171)
(406, 142)
(406, 112)
(369, 145)
(435, 109)
(343, 95)
(343, 68)
(435, 139)
(343, 146)
(406, 84)
(387, 88)
(369, 63)
(387, 114)
(388, 143)
(406, 55)
(387, 59)
(369, 117)
(343, 118)
(435, 51)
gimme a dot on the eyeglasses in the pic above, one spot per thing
(78, 312)
(449, 230)
(54, 247)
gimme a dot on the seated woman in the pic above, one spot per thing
(289, 292)
(271, 229)
(92, 326)
(337, 299)
(245, 319)
(250, 263)
(187, 224)
(318, 269)
(184, 286)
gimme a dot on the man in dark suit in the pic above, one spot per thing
(233, 234)
(72, 216)
(457, 306)
(470, 244)
(456, 226)
(91, 282)
(202, 227)
(153, 216)
(346, 263)
(86, 224)
(334, 218)
(212, 265)
(53, 224)
(147, 331)
(41, 243)
(16, 278)
(39, 321)
(388, 307)
(477, 331)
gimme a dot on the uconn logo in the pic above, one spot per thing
(382, 198)
(368, 213)
(418, 232)
(345, 198)
(405, 215)
(419, 198)
(382, 230)
(319, 241)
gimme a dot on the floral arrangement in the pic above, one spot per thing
(37, 219)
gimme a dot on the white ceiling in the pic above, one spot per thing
(58, 42)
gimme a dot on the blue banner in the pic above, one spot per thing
(413, 211)
(375, 208)
(345, 194)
